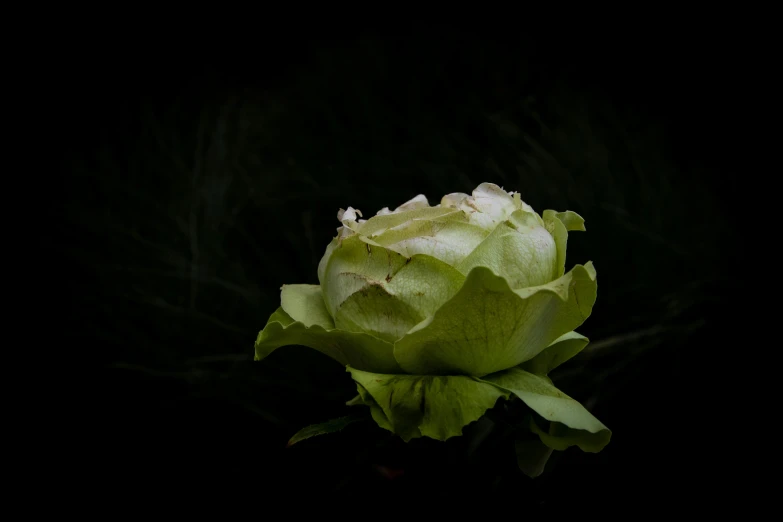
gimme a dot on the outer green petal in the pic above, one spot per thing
(372, 289)
(559, 232)
(541, 396)
(424, 284)
(559, 224)
(560, 437)
(376, 311)
(488, 327)
(520, 250)
(562, 349)
(359, 350)
(305, 303)
(376, 411)
(431, 406)
(353, 265)
(571, 220)
(325, 259)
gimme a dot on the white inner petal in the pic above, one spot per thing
(419, 201)
(488, 206)
(493, 200)
(454, 200)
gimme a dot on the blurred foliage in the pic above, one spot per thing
(193, 203)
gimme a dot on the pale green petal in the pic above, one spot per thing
(562, 349)
(431, 406)
(571, 220)
(487, 327)
(278, 316)
(305, 303)
(558, 224)
(450, 241)
(325, 259)
(353, 265)
(558, 231)
(519, 204)
(377, 224)
(359, 350)
(520, 250)
(376, 311)
(372, 289)
(425, 283)
(555, 406)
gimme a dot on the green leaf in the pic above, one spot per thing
(562, 349)
(532, 456)
(431, 406)
(544, 398)
(375, 290)
(487, 327)
(324, 428)
(519, 250)
(359, 350)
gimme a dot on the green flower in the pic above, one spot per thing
(438, 311)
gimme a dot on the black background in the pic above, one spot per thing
(202, 181)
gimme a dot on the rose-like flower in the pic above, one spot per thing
(438, 311)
